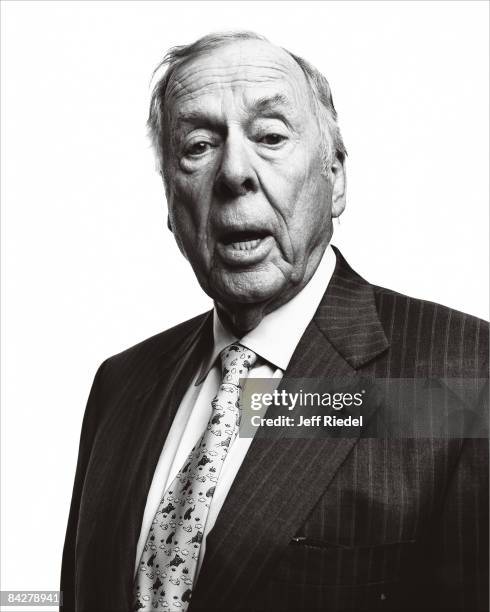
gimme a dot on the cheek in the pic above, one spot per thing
(300, 195)
(311, 220)
(283, 185)
(190, 203)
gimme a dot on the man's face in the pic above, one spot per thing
(249, 200)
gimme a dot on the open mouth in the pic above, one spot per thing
(243, 241)
(245, 247)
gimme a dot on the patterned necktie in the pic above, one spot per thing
(165, 577)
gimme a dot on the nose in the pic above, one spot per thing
(236, 175)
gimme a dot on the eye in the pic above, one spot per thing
(197, 148)
(273, 139)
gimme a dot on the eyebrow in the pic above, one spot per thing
(195, 116)
(270, 103)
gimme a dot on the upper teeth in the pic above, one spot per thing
(246, 245)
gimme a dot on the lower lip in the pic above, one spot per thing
(249, 257)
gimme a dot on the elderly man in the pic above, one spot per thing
(172, 509)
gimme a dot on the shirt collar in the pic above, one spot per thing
(269, 339)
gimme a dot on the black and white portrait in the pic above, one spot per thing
(209, 202)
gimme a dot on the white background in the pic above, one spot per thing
(88, 266)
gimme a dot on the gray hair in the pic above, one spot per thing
(333, 145)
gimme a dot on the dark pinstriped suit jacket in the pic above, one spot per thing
(323, 524)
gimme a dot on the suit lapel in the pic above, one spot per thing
(127, 450)
(348, 316)
(281, 479)
(173, 378)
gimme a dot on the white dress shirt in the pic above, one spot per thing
(274, 341)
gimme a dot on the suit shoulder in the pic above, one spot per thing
(433, 333)
(388, 301)
(164, 342)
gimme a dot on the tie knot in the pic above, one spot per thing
(236, 362)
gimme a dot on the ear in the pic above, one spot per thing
(338, 181)
(167, 197)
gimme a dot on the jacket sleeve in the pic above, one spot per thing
(68, 566)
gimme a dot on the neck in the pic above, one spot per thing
(239, 319)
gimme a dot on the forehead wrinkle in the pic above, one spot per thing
(189, 101)
(187, 72)
(191, 86)
(190, 68)
(233, 86)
